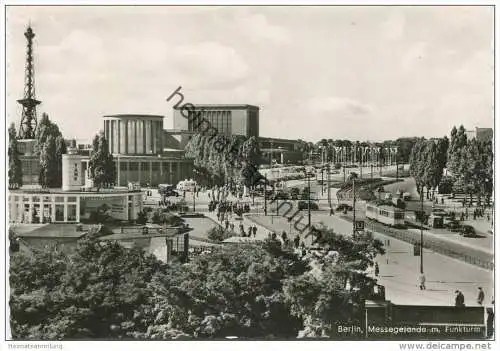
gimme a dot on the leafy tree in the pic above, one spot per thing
(49, 147)
(333, 292)
(157, 217)
(97, 292)
(49, 167)
(142, 217)
(101, 165)
(476, 173)
(15, 168)
(13, 241)
(405, 146)
(233, 291)
(456, 152)
(216, 234)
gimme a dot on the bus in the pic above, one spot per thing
(187, 185)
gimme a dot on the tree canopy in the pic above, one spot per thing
(49, 147)
(101, 165)
(15, 169)
(104, 290)
(219, 159)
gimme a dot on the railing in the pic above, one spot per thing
(467, 254)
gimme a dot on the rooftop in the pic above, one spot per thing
(48, 231)
(132, 115)
(222, 106)
(60, 191)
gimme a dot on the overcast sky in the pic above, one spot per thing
(365, 73)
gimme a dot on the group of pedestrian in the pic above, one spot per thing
(251, 231)
(460, 299)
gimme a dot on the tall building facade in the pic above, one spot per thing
(137, 144)
(227, 120)
(134, 134)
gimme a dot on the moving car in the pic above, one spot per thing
(167, 190)
(303, 205)
(453, 226)
(280, 195)
(343, 207)
(468, 231)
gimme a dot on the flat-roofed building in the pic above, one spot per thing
(226, 120)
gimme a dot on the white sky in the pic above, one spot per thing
(365, 73)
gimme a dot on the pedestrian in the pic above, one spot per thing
(232, 227)
(296, 241)
(227, 224)
(331, 212)
(377, 269)
(459, 299)
(480, 295)
(421, 281)
(254, 230)
(283, 236)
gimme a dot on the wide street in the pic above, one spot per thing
(400, 270)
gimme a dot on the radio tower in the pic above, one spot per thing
(28, 119)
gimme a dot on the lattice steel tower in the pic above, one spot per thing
(28, 119)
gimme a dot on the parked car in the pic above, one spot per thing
(468, 231)
(439, 212)
(453, 226)
(281, 195)
(303, 205)
(343, 207)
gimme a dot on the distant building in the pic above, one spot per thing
(484, 134)
(481, 134)
(144, 153)
(282, 151)
(225, 119)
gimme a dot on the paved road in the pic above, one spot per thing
(399, 269)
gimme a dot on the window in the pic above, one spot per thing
(71, 198)
(36, 198)
(47, 199)
(123, 166)
(133, 166)
(59, 213)
(144, 166)
(399, 215)
(71, 213)
(59, 199)
(155, 166)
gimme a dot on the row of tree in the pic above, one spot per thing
(219, 159)
(104, 290)
(468, 161)
(427, 163)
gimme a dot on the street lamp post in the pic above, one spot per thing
(265, 195)
(309, 201)
(422, 230)
(329, 191)
(353, 208)
(322, 181)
